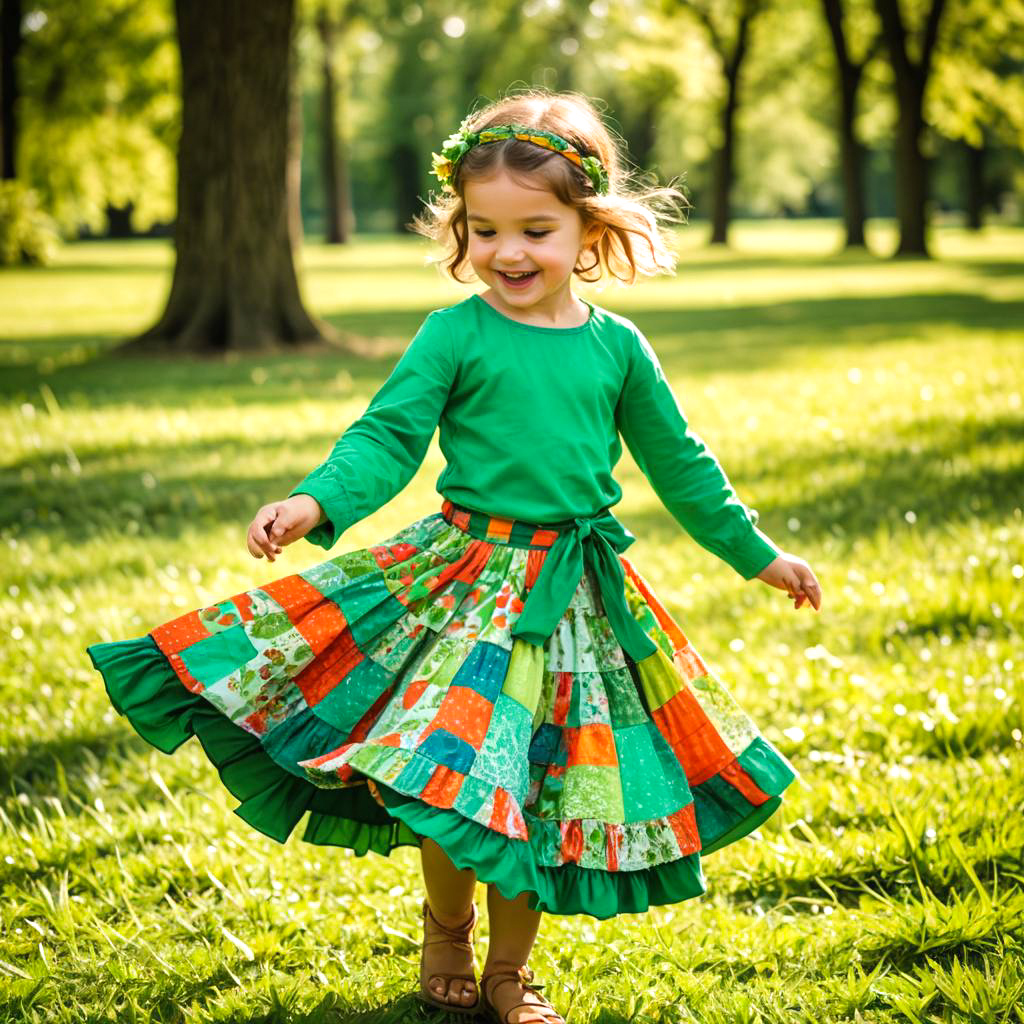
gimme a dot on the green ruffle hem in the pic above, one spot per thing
(143, 687)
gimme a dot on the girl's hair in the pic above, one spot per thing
(620, 229)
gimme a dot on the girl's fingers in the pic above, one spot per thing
(799, 583)
(251, 541)
(280, 530)
(812, 590)
(283, 532)
(259, 545)
(259, 540)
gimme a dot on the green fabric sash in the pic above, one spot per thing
(592, 541)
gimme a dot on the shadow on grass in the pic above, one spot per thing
(855, 491)
(689, 340)
(757, 337)
(989, 268)
(849, 491)
(33, 768)
(409, 1010)
(90, 370)
(405, 253)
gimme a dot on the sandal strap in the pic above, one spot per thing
(458, 936)
(523, 976)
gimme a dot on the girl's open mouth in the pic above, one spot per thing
(518, 282)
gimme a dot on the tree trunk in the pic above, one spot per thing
(851, 152)
(335, 227)
(293, 170)
(722, 171)
(234, 284)
(911, 78)
(410, 92)
(723, 161)
(119, 221)
(343, 183)
(10, 44)
(851, 155)
(644, 137)
(974, 199)
(912, 177)
(405, 161)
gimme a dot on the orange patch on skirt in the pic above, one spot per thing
(591, 744)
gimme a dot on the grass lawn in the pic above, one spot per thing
(871, 410)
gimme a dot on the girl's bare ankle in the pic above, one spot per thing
(503, 962)
(449, 920)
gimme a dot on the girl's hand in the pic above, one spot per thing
(282, 522)
(792, 574)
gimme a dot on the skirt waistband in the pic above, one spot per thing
(516, 532)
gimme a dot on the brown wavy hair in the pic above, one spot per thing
(621, 230)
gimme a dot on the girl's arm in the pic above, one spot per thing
(691, 483)
(379, 454)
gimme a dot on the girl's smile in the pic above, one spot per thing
(524, 243)
(520, 280)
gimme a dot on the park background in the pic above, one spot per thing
(189, 319)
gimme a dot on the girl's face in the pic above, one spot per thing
(513, 229)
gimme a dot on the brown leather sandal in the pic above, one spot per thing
(461, 938)
(543, 1012)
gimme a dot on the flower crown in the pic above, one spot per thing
(457, 145)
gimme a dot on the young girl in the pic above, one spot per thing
(496, 684)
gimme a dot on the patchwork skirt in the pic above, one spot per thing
(382, 693)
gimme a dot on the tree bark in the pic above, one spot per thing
(405, 160)
(10, 44)
(337, 206)
(119, 221)
(911, 79)
(234, 284)
(974, 198)
(293, 169)
(343, 185)
(410, 91)
(644, 137)
(851, 152)
(723, 159)
(723, 164)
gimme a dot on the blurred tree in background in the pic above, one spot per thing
(98, 111)
(728, 26)
(830, 108)
(851, 34)
(334, 22)
(979, 92)
(11, 39)
(911, 55)
(234, 284)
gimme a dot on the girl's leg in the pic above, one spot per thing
(450, 897)
(514, 929)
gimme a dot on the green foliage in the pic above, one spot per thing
(979, 83)
(100, 109)
(27, 233)
(872, 412)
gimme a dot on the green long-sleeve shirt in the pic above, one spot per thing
(530, 421)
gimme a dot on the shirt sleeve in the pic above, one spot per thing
(379, 453)
(684, 473)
